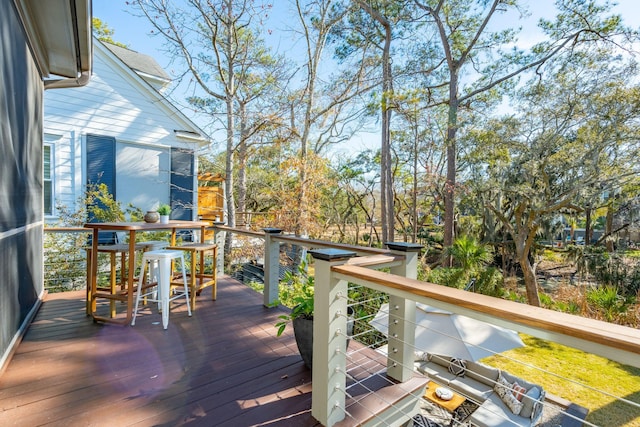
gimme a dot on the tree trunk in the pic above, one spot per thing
(228, 182)
(450, 184)
(608, 228)
(386, 180)
(523, 241)
(587, 227)
(242, 163)
(530, 281)
(229, 102)
(414, 196)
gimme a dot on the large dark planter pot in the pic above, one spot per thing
(303, 331)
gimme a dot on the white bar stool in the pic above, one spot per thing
(153, 245)
(163, 259)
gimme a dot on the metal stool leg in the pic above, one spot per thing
(162, 260)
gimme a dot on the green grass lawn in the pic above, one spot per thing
(588, 380)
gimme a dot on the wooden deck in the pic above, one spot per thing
(222, 367)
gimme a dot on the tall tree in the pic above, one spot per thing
(477, 59)
(212, 40)
(386, 182)
(321, 110)
(561, 143)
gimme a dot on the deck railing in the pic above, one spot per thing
(65, 260)
(339, 266)
(340, 272)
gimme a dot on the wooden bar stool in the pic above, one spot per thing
(199, 279)
(114, 250)
(162, 295)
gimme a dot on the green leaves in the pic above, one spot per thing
(297, 293)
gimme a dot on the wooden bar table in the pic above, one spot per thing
(132, 228)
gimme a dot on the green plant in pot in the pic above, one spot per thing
(297, 292)
(164, 211)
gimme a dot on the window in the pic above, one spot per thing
(48, 180)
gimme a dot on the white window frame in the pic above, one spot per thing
(50, 179)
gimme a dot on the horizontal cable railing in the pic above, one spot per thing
(368, 289)
(371, 361)
(65, 260)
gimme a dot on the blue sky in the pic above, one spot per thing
(135, 32)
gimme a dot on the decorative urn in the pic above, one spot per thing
(151, 217)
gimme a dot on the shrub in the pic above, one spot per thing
(64, 255)
(609, 269)
(490, 282)
(608, 302)
(570, 307)
(546, 301)
(445, 276)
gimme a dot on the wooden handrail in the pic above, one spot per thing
(302, 241)
(67, 230)
(590, 335)
(243, 231)
(313, 243)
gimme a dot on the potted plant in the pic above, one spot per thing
(297, 292)
(164, 211)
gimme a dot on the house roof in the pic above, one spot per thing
(59, 34)
(142, 64)
(192, 132)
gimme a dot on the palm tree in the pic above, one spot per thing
(470, 254)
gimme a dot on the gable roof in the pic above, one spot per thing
(192, 131)
(144, 65)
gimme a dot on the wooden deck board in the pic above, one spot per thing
(224, 366)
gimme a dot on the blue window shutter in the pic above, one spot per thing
(101, 169)
(101, 161)
(182, 174)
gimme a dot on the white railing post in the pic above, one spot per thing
(402, 316)
(271, 267)
(329, 342)
(218, 238)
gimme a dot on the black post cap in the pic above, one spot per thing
(404, 246)
(271, 230)
(330, 254)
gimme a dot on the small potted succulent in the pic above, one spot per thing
(164, 211)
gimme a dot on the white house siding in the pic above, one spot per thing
(149, 168)
(119, 104)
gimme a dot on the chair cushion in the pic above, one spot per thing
(483, 373)
(494, 413)
(528, 401)
(471, 388)
(504, 390)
